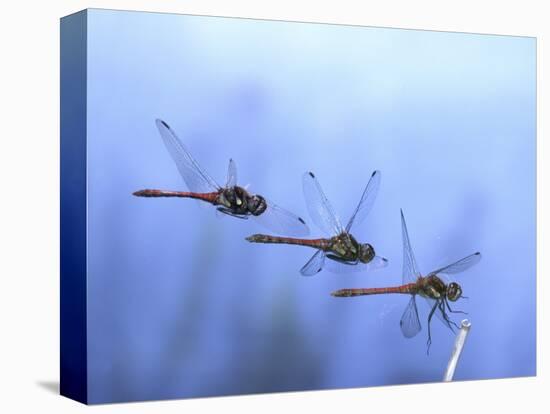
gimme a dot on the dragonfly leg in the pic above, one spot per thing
(230, 213)
(446, 318)
(340, 260)
(429, 329)
(454, 311)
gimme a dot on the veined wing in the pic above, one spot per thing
(231, 174)
(319, 207)
(410, 322)
(460, 265)
(336, 266)
(314, 265)
(195, 177)
(281, 221)
(367, 201)
(410, 269)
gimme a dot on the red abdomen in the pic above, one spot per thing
(410, 288)
(208, 197)
(322, 244)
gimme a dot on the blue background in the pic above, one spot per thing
(180, 305)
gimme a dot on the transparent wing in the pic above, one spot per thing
(336, 266)
(410, 270)
(410, 323)
(281, 221)
(195, 177)
(366, 202)
(314, 265)
(460, 265)
(319, 207)
(231, 174)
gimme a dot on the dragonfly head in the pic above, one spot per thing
(367, 253)
(454, 291)
(256, 205)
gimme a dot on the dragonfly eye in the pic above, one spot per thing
(367, 253)
(454, 291)
(256, 205)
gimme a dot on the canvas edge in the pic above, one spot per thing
(73, 201)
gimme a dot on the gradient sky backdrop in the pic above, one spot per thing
(180, 305)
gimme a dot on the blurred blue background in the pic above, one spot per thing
(180, 305)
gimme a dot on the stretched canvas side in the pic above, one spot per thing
(73, 359)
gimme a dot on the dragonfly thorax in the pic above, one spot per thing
(348, 248)
(241, 202)
(345, 246)
(431, 287)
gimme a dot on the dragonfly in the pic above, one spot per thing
(346, 254)
(432, 287)
(231, 199)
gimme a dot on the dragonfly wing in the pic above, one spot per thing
(410, 269)
(410, 322)
(460, 265)
(336, 266)
(314, 265)
(195, 177)
(231, 174)
(282, 221)
(367, 201)
(319, 207)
